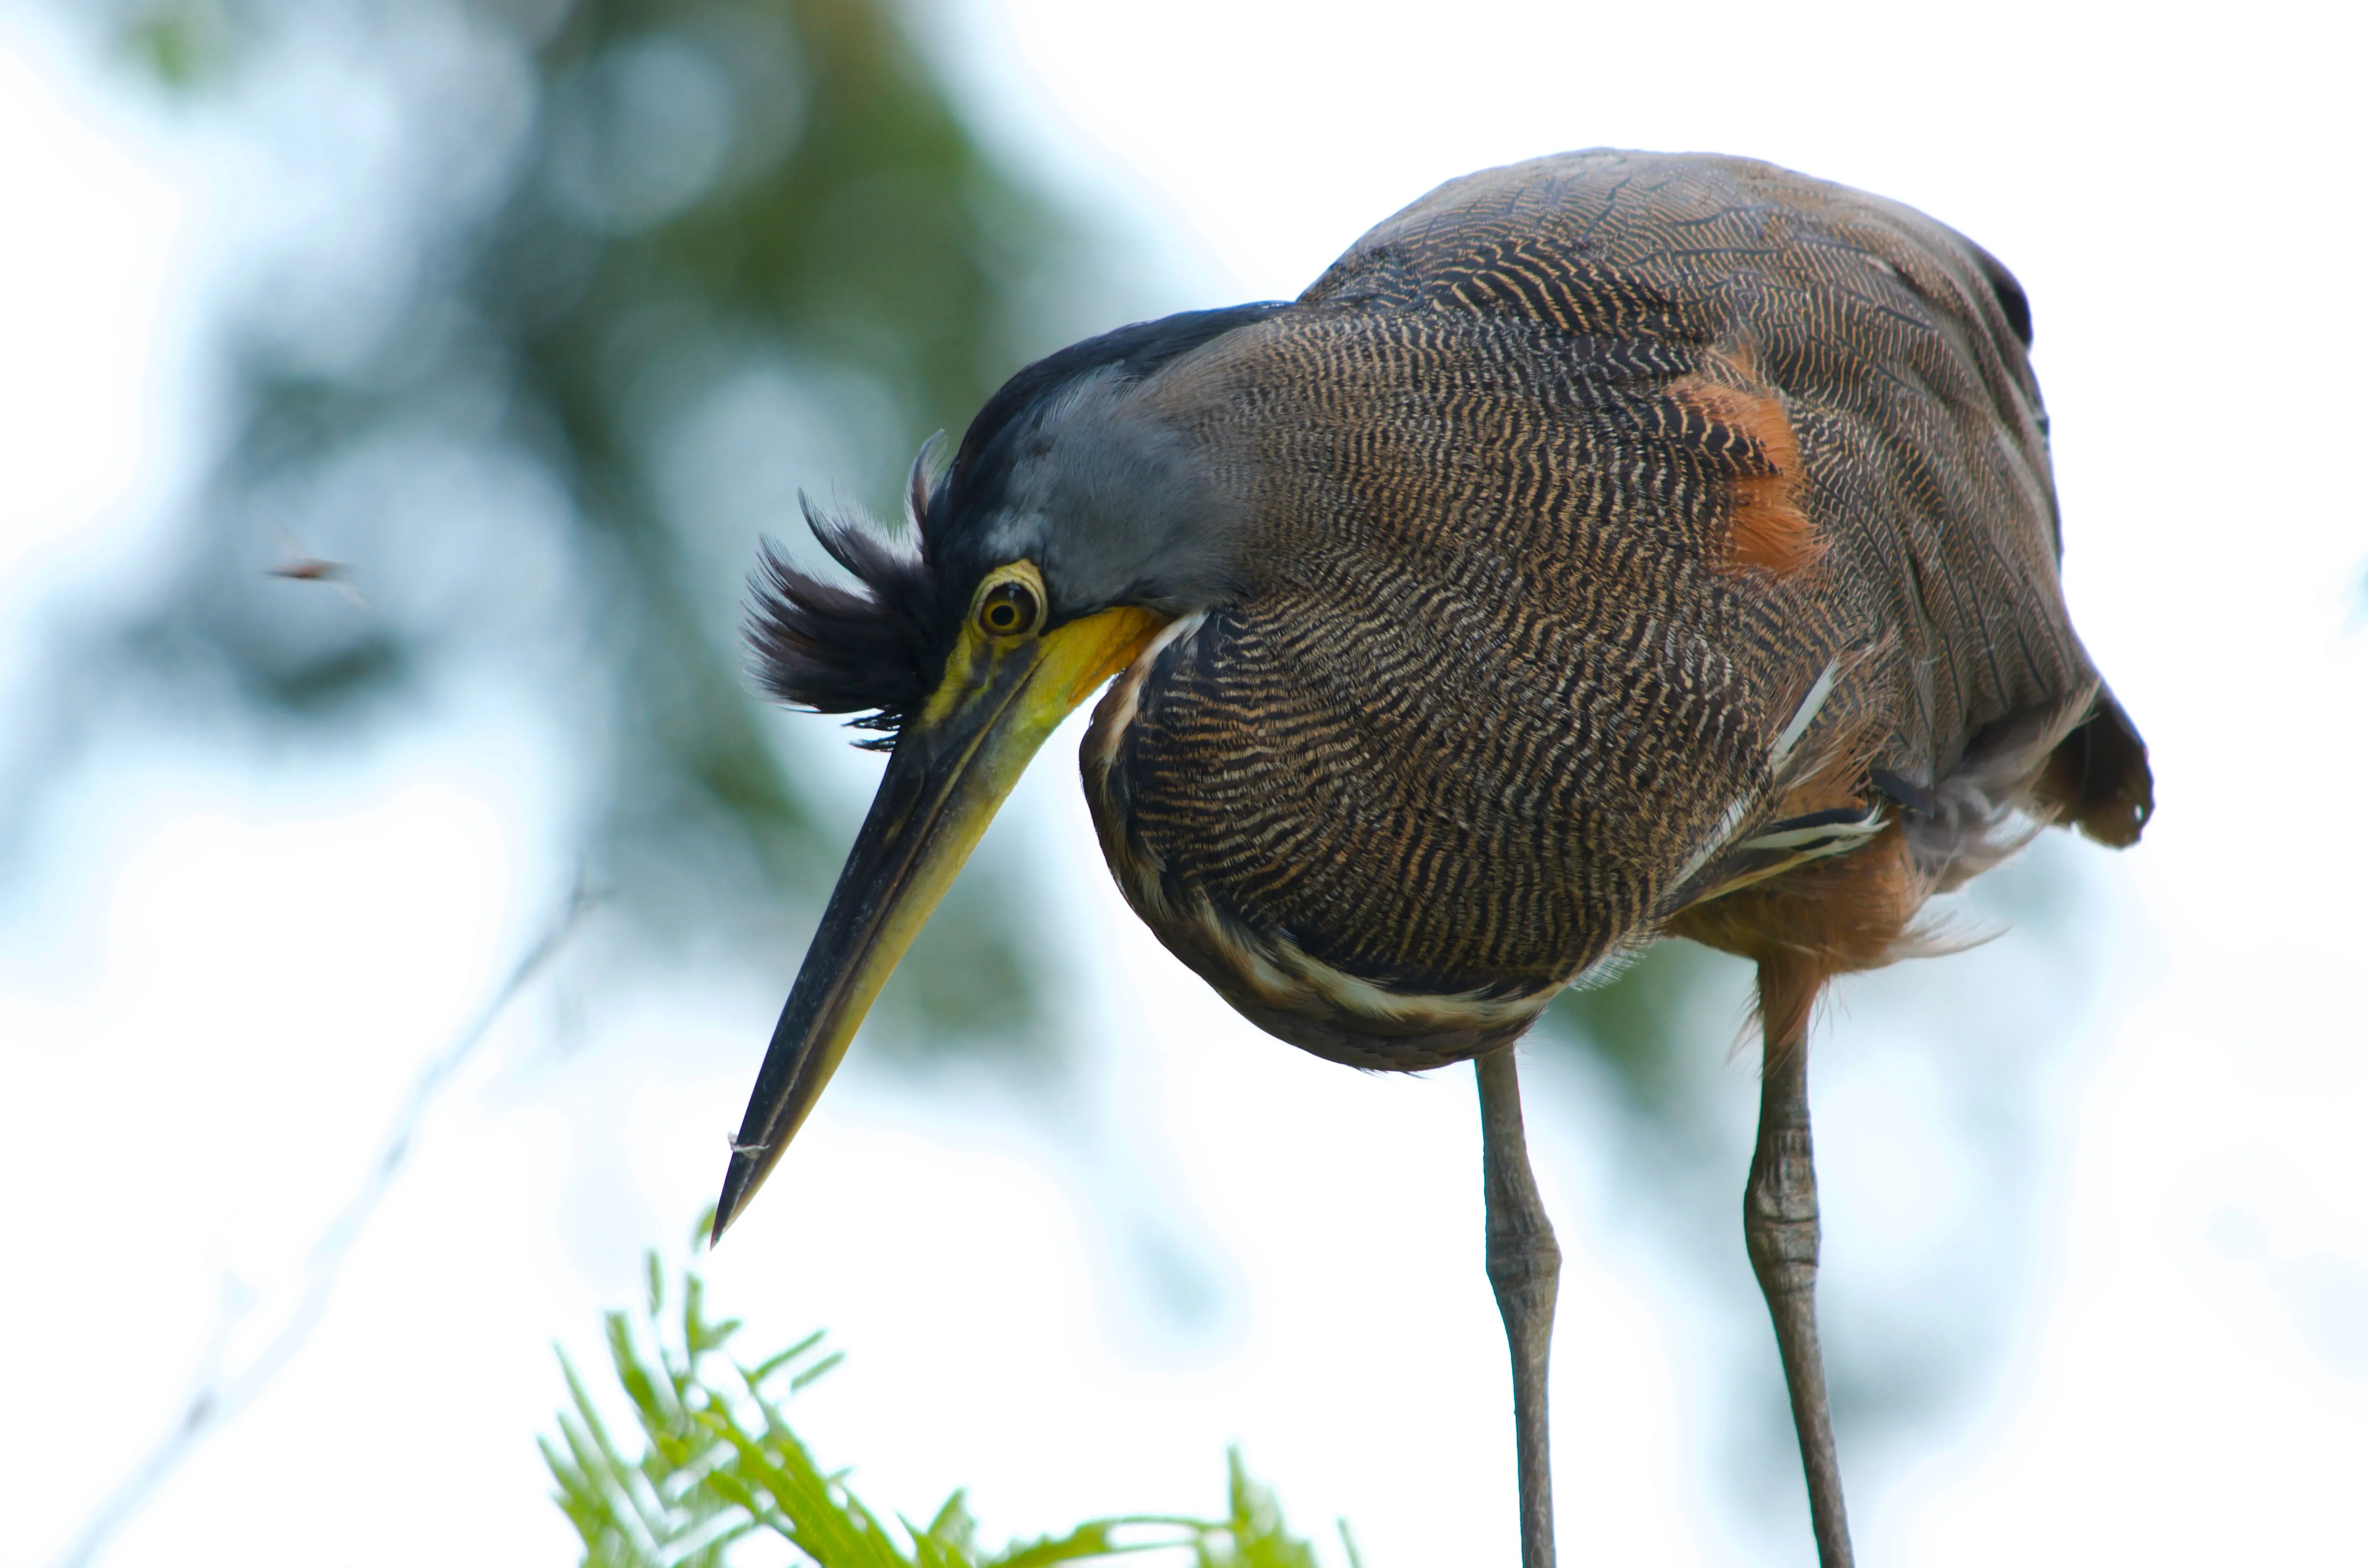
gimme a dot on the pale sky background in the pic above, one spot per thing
(219, 975)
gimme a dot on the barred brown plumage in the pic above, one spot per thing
(1609, 547)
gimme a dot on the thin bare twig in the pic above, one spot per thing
(220, 1392)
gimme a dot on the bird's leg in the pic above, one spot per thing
(1523, 1266)
(1780, 1226)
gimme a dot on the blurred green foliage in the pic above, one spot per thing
(591, 289)
(720, 1463)
(1650, 1028)
(182, 44)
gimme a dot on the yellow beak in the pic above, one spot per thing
(954, 763)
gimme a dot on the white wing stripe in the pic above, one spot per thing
(1802, 717)
(1717, 840)
(1843, 836)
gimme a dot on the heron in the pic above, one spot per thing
(1608, 548)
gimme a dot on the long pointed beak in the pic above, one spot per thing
(953, 765)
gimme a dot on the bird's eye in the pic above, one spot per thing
(1009, 609)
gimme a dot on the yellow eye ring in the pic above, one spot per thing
(1011, 604)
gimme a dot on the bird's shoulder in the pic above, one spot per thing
(1686, 247)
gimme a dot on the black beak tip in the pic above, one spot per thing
(739, 1181)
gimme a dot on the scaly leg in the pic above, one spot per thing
(1523, 1266)
(1780, 1226)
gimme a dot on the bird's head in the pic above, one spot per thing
(1079, 518)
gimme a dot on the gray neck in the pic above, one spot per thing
(1114, 496)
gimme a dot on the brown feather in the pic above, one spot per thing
(1788, 987)
(1566, 483)
(1836, 916)
(1768, 530)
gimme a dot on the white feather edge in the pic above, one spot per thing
(1812, 703)
(1804, 716)
(1843, 835)
(1728, 823)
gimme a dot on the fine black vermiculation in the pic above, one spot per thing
(1496, 671)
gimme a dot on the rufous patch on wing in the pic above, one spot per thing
(1844, 913)
(1768, 532)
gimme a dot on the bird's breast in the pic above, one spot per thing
(1392, 849)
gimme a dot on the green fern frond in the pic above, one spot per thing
(719, 1463)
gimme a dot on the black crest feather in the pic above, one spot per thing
(868, 650)
(880, 649)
